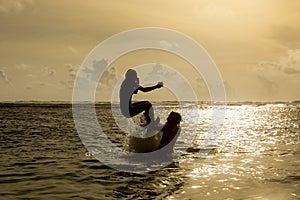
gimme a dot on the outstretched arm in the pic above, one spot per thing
(148, 89)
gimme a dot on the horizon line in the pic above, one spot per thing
(114, 102)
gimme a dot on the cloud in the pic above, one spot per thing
(168, 45)
(200, 82)
(7, 6)
(88, 76)
(290, 70)
(23, 66)
(28, 87)
(159, 72)
(3, 76)
(286, 65)
(270, 85)
(72, 49)
(36, 84)
(49, 71)
(67, 84)
(286, 35)
(277, 75)
(68, 81)
(109, 78)
(172, 80)
(31, 76)
(91, 73)
(52, 72)
(72, 70)
(41, 84)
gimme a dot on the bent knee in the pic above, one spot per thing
(148, 104)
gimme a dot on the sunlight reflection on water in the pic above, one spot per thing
(257, 149)
(255, 156)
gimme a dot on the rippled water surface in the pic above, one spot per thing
(255, 155)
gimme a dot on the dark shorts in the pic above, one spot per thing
(137, 108)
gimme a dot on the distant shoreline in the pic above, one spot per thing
(69, 103)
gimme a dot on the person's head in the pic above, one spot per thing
(131, 75)
(174, 118)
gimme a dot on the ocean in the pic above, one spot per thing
(254, 155)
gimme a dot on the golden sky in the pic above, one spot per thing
(255, 44)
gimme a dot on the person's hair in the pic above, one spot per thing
(130, 74)
(174, 118)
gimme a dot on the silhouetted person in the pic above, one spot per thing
(171, 131)
(131, 86)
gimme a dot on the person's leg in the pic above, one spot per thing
(142, 106)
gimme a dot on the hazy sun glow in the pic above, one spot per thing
(255, 44)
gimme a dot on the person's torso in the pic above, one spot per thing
(127, 89)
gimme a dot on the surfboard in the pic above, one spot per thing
(150, 139)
